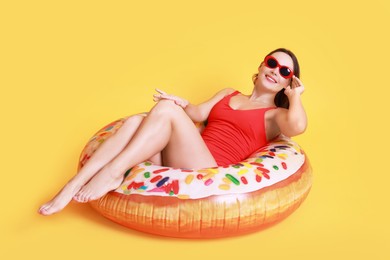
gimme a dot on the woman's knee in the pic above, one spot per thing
(134, 120)
(166, 108)
(131, 123)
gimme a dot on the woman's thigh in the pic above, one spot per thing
(186, 148)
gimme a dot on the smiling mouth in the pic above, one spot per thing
(271, 79)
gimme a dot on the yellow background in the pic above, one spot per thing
(67, 68)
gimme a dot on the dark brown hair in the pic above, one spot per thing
(281, 100)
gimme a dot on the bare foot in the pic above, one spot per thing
(60, 200)
(103, 182)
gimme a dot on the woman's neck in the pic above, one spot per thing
(263, 98)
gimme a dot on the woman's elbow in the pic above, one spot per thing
(294, 130)
(300, 128)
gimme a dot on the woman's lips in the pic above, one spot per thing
(271, 79)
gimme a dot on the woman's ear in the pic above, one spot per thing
(254, 77)
(260, 66)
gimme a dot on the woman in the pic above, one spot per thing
(238, 125)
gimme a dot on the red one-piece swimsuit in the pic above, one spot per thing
(233, 135)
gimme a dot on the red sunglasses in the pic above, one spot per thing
(284, 71)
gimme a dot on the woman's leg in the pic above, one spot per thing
(103, 155)
(167, 128)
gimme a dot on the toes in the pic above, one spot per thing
(87, 197)
(45, 212)
(82, 197)
(90, 196)
(77, 197)
(44, 209)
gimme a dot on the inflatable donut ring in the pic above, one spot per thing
(207, 203)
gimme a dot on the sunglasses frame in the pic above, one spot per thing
(267, 58)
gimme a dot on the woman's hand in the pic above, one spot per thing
(295, 89)
(178, 101)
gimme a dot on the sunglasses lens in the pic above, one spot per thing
(286, 72)
(272, 63)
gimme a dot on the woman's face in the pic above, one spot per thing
(270, 78)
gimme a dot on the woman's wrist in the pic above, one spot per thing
(293, 97)
(181, 102)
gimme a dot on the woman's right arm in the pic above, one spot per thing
(197, 113)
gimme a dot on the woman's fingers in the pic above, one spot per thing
(295, 87)
(298, 80)
(158, 97)
(163, 95)
(294, 82)
(161, 92)
(178, 101)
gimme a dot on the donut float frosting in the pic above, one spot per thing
(212, 202)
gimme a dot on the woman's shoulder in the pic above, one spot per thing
(228, 91)
(223, 93)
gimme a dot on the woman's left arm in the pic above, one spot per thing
(294, 120)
